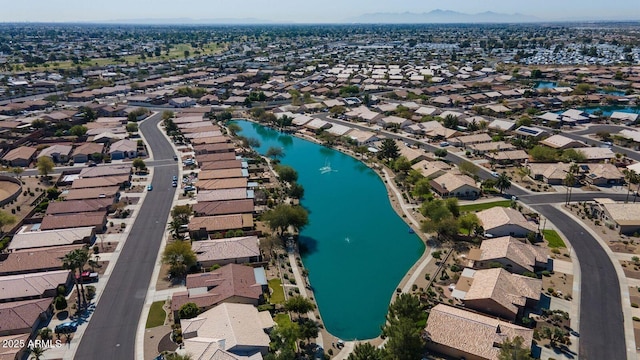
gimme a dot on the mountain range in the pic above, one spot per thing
(441, 17)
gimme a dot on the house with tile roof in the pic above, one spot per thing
(24, 317)
(239, 329)
(232, 283)
(83, 152)
(201, 227)
(502, 221)
(514, 255)
(33, 286)
(497, 292)
(123, 149)
(20, 156)
(460, 333)
(237, 250)
(59, 153)
(31, 237)
(455, 185)
(211, 208)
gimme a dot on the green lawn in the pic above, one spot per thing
(156, 315)
(277, 296)
(484, 206)
(281, 319)
(555, 241)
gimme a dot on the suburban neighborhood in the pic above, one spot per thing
(156, 204)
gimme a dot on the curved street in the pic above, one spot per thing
(111, 333)
(602, 334)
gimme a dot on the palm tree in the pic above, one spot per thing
(503, 182)
(175, 226)
(632, 177)
(82, 256)
(569, 181)
(69, 262)
(37, 352)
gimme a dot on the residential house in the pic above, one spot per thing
(432, 169)
(512, 254)
(561, 142)
(67, 221)
(551, 173)
(58, 153)
(182, 102)
(508, 157)
(109, 170)
(237, 250)
(235, 328)
(232, 283)
(223, 174)
(362, 137)
(455, 185)
(34, 260)
(213, 148)
(201, 227)
(123, 149)
(501, 221)
(459, 333)
(468, 140)
(31, 237)
(224, 195)
(596, 154)
(488, 147)
(215, 157)
(33, 286)
(223, 164)
(24, 317)
(212, 208)
(625, 217)
(603, 175)
(395, 121)
(79, 206)
(98, 182)
(112, 192)
(530, 131)
(219, 184)
(21, 156)
(83, 152)
(497, 292)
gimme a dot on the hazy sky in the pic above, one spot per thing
(300, 10)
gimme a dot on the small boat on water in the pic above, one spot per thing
(411, 231)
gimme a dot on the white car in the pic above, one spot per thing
(495, 174)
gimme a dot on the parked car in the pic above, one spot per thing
(495, 174)
(175, 157)
(174, 184)
(66, 328)
(88, 276)
(444, 144)
(189, 188)
(149, 187)
(175, 178)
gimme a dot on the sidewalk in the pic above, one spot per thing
(303, 290)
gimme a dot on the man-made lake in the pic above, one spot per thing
(357, 249)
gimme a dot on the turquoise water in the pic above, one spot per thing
(546, 85)
(358, 249)
(608, 110)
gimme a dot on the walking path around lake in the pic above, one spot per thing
(303, 290)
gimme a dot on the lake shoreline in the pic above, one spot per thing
(395, 203)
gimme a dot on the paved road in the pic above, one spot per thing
(601, 321)
(111, 333)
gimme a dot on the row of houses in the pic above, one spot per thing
(493, 294)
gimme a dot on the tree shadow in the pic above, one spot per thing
(307, 245)
(62, 315)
